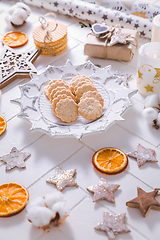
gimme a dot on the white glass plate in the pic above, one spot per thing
(37, 109)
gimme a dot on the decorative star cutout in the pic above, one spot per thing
(68, 70)
(103, 190)
(102, 73)
(63, 178)
(149, 88)
(25, 101)
(123, 93)
(113, 225)
(87, 68)
(38, 80)
(145, 201)
(39, 124)
(15, 159)
(143, 155)
(14, 64)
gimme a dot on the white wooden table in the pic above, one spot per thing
(68, 152)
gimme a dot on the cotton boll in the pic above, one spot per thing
(61, 208)
(39, 216)
(38, 202)
(17, 14)
(18, 17)
(158, 120)
(52, 198)
(150, 114)
(151, 101)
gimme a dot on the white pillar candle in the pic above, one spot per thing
(148, 71)
(156, 29)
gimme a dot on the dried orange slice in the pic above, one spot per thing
(3, 124)
(110, 160)
(13, 198)
(15, 39)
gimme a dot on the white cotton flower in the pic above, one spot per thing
(38, 202)
(151, 101)
(158, 120)
(61, 208)
(52, 198)
(17, 14)
(39, 216)
(150, 114)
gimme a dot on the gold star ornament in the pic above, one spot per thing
(14, 64)
(145, 201)
(149, 88)
(62, 179)
(113, 225)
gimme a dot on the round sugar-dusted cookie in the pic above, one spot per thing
(90, 108)
(94, 94)
(84, 88)
(48, 87)
(57, 99)
(74, 81)
(65, 91)
(67, 110)
(59, 83)
(54, 91)
(82, 82)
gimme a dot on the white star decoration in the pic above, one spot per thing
(68, 70)
(25, 102)
(102, 73)
(38, 80)
(14, 64)
(36, 108)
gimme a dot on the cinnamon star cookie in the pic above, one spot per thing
(143, 155)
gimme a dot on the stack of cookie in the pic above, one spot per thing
(90, 101)
(51, 41)
(62, 100)
(80, 96)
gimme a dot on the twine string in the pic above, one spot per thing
(47, 31)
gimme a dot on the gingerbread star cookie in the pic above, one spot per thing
(113, 225)
(143, 155)
(103, 190)
(145, 201)
(15, 159)
(63, 178)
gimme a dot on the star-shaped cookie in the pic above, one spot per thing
(14, 64)
(63, 178)
(103, 190)
(145, 201)
(113, 225)
(143, 155)
(15, 159)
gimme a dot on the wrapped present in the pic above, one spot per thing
(112, 43)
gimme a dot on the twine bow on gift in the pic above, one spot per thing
(112, 35)
(47, 31)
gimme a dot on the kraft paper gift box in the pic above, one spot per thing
(97, 47)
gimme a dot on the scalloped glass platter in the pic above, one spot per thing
(36, 108)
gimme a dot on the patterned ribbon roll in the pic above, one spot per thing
(96, 13)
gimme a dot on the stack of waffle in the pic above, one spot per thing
(52, 40)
